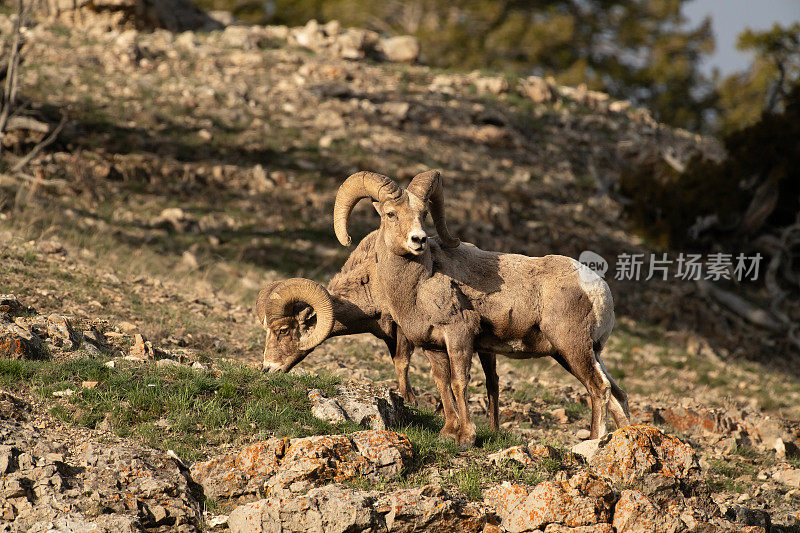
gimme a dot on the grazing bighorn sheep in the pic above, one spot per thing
(298, 314)
(460, 298)
(294, 314)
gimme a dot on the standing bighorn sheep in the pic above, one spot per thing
(458, 298)
(299, 314)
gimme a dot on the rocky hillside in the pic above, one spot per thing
(192, 167)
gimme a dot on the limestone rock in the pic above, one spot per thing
(105, 489)
(635, 512)
(788, 476)
(61, 333)
(492, 84)
(368, 405)
(594, 528)
(538, 89)
(587, 449)
(230, 476)
(315, 460)
(661, 466)
(401, 49)
(332, 509)
(386, 452)
(429, 508)
(278, 467)
(530, 454)
(521, 509)
(19, 343)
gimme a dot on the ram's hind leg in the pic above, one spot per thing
(619, 399)
(440, 368)
(578, 359)
(489, 364)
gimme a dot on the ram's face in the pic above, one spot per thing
(402, 222)
(282, 346)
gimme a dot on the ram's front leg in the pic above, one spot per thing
(440, 368)
(459, 351)
(401, 350)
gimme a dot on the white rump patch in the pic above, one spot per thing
(599, 294)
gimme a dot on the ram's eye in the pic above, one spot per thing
(283, 331)
(391, 214)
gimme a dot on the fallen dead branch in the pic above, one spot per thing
(19, 165)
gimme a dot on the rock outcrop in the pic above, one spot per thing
(660, 465)
(337, 509)
(363, 403)
(56, 481)
(282, 467)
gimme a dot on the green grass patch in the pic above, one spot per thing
(180, 408)
(469, 480)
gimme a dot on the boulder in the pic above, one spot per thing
(634, 512)
(17, 342)
(401, 49)
(230, 476)
(788, 476)
(61, 333)
(280, 466)
(659, 465)
(365, 404)
(594, 528)
(386, 452)
(587, 449)
(352, 43)
(329, 509)
(314, 461)
(335, 509)
(429, 508)
(531, 454)
(491, 84)
(537, 89)
(584, 500)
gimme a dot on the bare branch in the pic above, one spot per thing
(19, 165)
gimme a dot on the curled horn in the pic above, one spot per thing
(261, 303)
(277, 300)
(359, 185)
(427, 186)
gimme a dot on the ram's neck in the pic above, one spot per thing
(349, 318)
(397, 280)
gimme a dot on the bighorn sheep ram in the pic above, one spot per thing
(455, 297)
(299, 314)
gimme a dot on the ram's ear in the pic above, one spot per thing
(306, 319)
(377, 206)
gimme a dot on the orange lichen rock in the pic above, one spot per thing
(661, 466)
(281, 466)
(584, 500)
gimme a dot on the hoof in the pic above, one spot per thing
(410, 399)
(466, 445)
(447, 437)
(465, 442)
